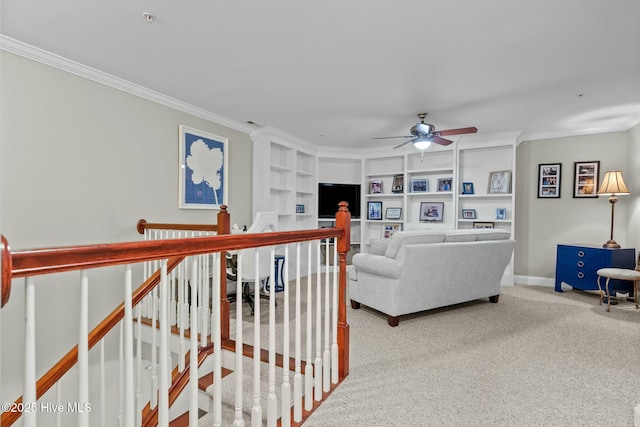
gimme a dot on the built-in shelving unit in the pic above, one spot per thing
(295, 167)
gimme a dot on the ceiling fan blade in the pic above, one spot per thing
(406, 142)
(393, 137)
(437, 140)
(455, 131)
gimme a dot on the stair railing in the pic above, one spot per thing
(169, 253)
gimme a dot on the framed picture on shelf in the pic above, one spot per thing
(549, 180)
(445, 184)
(499, 182)
(501, 213)
(419, 185)
(299, 208)
(398, 184)
(393, 213)
(482, 225)
(374, 210)
(389, 229)
(586, 178)
(203, 169)
(467, 188)
(375, 187)
(431, 211)
(468, 214)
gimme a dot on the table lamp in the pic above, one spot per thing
(612, 185)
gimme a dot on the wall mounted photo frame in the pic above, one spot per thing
(374, 210)
(419, 185)
(398, 184)
(467, 188)
(499, 182)
(586, 178)
(393, 213)
(445, 184)
(431, 211)
(549, 175)
(203, 169)
(483, 225)
(468, 214)
(375, 187)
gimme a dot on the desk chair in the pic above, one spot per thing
(263, 222)
(620, 274)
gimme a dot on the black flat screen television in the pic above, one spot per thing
(329, 195)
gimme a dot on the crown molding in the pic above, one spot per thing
(47, 58)
(280, 136)
(623, 127)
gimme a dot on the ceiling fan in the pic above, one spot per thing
(423, 134)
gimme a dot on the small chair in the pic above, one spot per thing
(620, 274)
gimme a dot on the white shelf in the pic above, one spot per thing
(384, 195)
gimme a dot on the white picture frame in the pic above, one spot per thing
(203, 170)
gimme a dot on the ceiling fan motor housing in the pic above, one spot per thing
(422, 129)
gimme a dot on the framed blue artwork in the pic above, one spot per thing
(203, 169)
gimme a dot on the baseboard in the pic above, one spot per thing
(534, 280)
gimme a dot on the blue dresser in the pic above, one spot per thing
(576, 265)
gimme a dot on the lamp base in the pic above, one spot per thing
(611, 244)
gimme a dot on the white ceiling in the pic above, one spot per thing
(338, 73)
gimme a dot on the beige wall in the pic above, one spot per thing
(542, 224)
(81, 162)
(632, 178)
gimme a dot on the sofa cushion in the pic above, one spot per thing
(488, 234)
(378, 246)
(460, 236)
(410, 238)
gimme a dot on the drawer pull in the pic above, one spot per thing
(580, 275)
(580, 254)
(580, 263)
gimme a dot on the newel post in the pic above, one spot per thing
(343, 221)
(224, 227)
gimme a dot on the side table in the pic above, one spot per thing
(577, 266)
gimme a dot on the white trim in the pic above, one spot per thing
(534, 280)
(39, 55)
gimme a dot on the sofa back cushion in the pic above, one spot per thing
(460, 236)
(488, 234)
(410, 238)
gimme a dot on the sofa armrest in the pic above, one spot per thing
(377, 264)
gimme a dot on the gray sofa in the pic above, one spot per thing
(419, 270)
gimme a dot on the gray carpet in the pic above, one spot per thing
(537, 358)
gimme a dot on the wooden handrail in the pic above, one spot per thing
(53, 375)
(34, 262)
(6, 270)
(144, 225)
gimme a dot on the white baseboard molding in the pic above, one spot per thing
(534, 280)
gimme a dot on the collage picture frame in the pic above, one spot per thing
(549, 175)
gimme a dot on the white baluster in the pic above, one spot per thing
(238, 421)
(272, 399)
(286, 386)
(297, 377)
(181, 315)
(193, 353)
(256, 410)
(308, 368)
(121, 375)
(163, 392)
(318, 360)
(205, 311)
(58, 402)
(154, 350)
(129, 398)
(29, 394)
(326, 361)
(139, 403)
(103, 387)
(83, 350)
(217, 350)
(334, 319)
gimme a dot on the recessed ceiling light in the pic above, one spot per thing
(148, 17)
(580, 95)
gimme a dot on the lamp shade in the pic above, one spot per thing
(613, 183)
